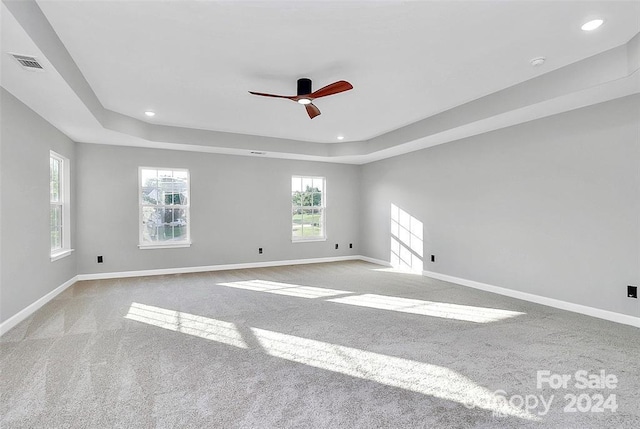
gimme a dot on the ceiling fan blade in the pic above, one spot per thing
(333, 88)
(272, 95)
(312, 110)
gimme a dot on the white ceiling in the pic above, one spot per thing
(192, 62)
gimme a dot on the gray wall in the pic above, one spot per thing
(237, 205)
(550, 207)
(26, 271)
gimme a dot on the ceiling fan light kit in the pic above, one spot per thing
(305, 96)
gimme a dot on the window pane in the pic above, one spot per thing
(165, 189)
(56, 216)
(296, 223)
(56, 227)
(59, 211)
(296, 184)
(307, 184)
(318, 185)
(165, 175)
(174, 189)
(307, 213)
(149, 187)
(311, 221)
(170, 197)
(182, 186)
(56, 239)
(151, 223)
(177, 220)
(316, 223)
(306, 222)
(321, 221)
(316, 199)
(296, 198)
(180, 176)
(164, 224)
(54, 179)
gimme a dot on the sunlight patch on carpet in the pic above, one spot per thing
(284, 289)
(444, 310)
(427, 379)
(190, 324)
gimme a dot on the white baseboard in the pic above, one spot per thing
(30, 309)
(375, 261)
(200, 269)
(551, 302)
(563, 305)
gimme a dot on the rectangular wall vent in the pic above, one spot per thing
(27, 62)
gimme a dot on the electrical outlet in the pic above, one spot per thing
(336, 246)
(433, 258)
(260, 250)
(632, 292)
(350, 245)
(100, 260)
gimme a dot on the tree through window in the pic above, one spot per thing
(307, 208)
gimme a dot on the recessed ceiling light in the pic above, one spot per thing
(149, 113)
(592, 25)
(304, 101)
(537, 62)
(340, 137)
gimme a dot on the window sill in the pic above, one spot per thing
(163, 246)
(60, 254)
(308, 240)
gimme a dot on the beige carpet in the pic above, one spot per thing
(339, 345)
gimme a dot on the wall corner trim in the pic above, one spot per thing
(12, 321)
(551, 302)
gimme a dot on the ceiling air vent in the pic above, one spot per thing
(27, 62)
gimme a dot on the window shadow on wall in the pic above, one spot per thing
(406, 241)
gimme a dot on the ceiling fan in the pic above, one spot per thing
(306, 97)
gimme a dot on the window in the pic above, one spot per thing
(59, 213)
(164, 208)
(307, 208)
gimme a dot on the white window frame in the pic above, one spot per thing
(141, 205)
(323, 207)
(64, 203)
